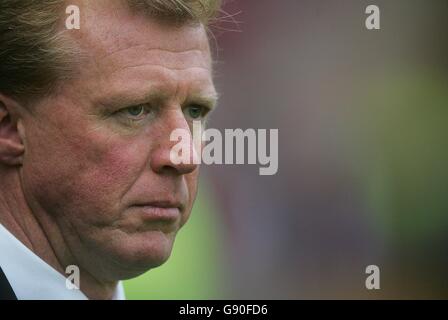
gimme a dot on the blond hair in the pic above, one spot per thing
(34, 55)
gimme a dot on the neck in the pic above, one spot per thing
(37, 231)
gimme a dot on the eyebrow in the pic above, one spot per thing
(210, 100)
(123, 99)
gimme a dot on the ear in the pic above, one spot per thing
(11, 132)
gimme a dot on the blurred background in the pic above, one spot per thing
(363, 154)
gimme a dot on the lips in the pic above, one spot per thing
(166, 204)
(159, 215)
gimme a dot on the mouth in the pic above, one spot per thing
(159, 215)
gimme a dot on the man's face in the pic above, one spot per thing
(97, 157)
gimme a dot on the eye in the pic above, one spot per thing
(135, 114)
(135, 111)
(196, 112)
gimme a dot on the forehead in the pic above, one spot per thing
(109, 26)
(124, 50)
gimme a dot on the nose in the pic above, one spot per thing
(161, 156)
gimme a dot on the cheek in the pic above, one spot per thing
(85, 176)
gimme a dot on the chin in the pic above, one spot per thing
(143, 252)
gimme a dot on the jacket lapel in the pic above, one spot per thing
(6, 292)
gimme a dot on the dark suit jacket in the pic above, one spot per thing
(6, 292)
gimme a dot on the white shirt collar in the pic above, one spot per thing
(31, 278)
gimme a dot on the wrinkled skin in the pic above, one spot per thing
(91, 160)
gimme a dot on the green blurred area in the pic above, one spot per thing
(402, 136)
(194, 270)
